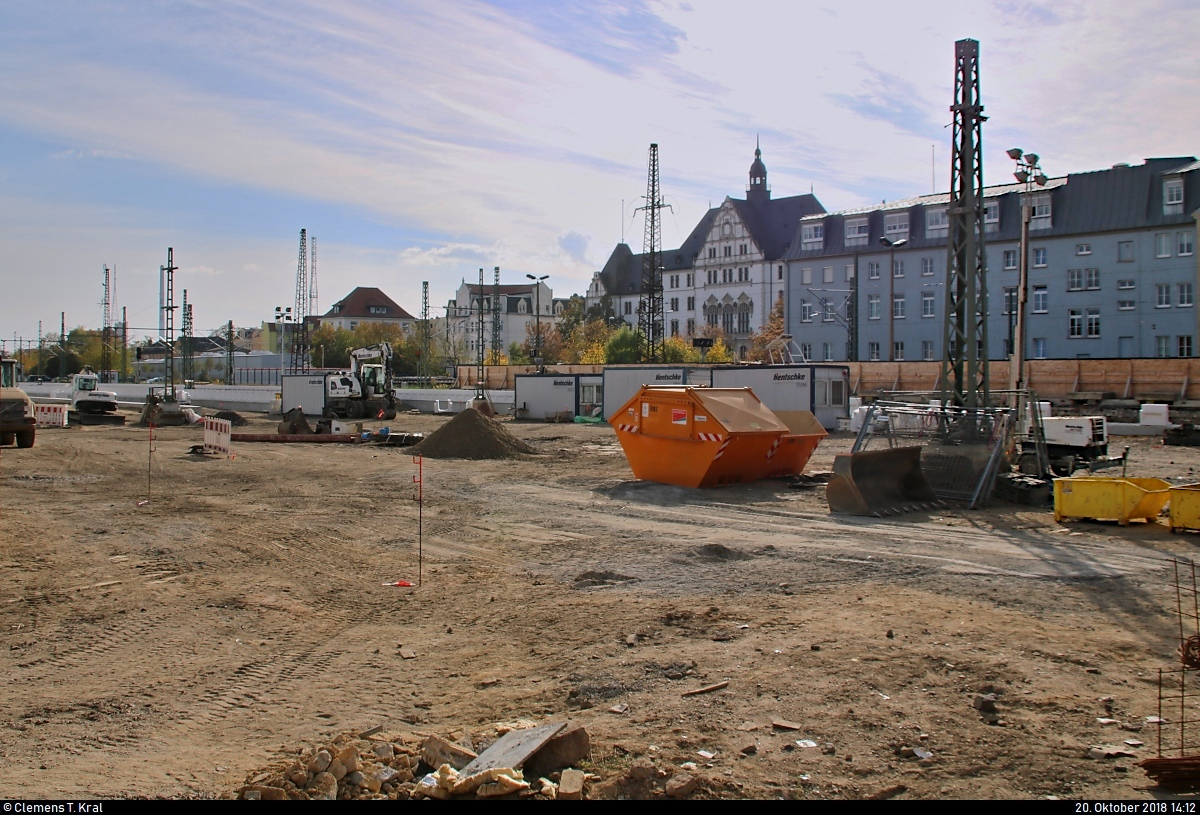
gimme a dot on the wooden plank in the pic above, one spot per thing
(513, 748)
(705, 689)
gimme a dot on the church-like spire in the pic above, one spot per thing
(758, 191)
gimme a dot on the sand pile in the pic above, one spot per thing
(471, 435)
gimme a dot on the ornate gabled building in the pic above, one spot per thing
(727, 273)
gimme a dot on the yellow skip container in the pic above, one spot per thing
(706, 437)
(1110, 499)
(1185, 507)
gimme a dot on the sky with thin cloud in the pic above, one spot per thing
(421, 141)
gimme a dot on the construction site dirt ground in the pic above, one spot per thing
(166, 635)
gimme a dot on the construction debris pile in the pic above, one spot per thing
(472, 435)
(523, 761)
(234, 418)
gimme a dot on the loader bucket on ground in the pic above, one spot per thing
(879, 482)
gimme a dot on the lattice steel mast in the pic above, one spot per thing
(185, 342)
(479, 311)
(169, 323)
(496, 349)
(299, 362)
(964, 379)
(313, 308)
(107, 335)
(650, 308)
(423, 338)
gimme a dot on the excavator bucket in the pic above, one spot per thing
(879, 482)
(295, 423)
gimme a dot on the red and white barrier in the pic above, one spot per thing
(50, 415)
(217, 433)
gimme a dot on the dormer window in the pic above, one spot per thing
(991, 216)
(1040, 212)
(522, 306)
(1173, 196)
(895, 226)
(857, 231)
(812, 236)
(936, 222)
(378, 309)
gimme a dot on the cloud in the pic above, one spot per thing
(574, 245)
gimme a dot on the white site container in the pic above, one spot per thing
(1155, 415)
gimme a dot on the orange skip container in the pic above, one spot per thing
(707, 437)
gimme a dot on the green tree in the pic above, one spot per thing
(518, 354)
(677, 349)
(720, 352)
(573, 316)
(623, 347)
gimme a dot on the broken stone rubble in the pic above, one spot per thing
(387, 766)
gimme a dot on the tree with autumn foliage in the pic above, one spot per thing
(771, 330)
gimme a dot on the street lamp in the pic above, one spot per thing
(537, 293)
(892, 245)
(1028, 172)
(283, 316)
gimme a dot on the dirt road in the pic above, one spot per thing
(165, 639)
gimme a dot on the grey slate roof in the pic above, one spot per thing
(622, 273)
(774, 223)
(1118, 198)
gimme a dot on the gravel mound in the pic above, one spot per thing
(235, 418)
(471, 435)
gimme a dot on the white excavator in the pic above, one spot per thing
(365, 391)
(89, 404)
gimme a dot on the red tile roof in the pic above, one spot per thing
(358, 304)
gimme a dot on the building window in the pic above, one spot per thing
(712, 251)
(1074, 279)
(991, 216)
(857, 231)
(873, 270)
(691, 304)
(674, 328)
(378, 309)
(806, 311)
(1075, 323)
(1010, 300)
(691, 326)
(812, 236)
(1184, 243)
(927, 304)
(1172, 196)
(1162, 346)
(897, 268)
(689, 281)
(826, 310)
(898, 351)
(727, 320)
(742, 250)
(806, 277)
(936, 222)
(1093, 322)
(927, 349)
(1162, 245)
(1040, 215)
(872, 306)
(674, 304)
(895, 226)
(743, 319)
(1162, 296)
(1040, 298)
(827, 351)
(898, 306)
(926, 266)
(1039, 258)
(780, 277)
(1185, 294)
(849, 272)
(1010, 259)
(1083, 248)
(806, 351)
(1126, 305)
(827, 274)
(1124, 251)
(1039, 347)
(873, 351)
(1092, 279)
(628, 307)
(728, 251)
(1126, 284)
(1185, 345)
